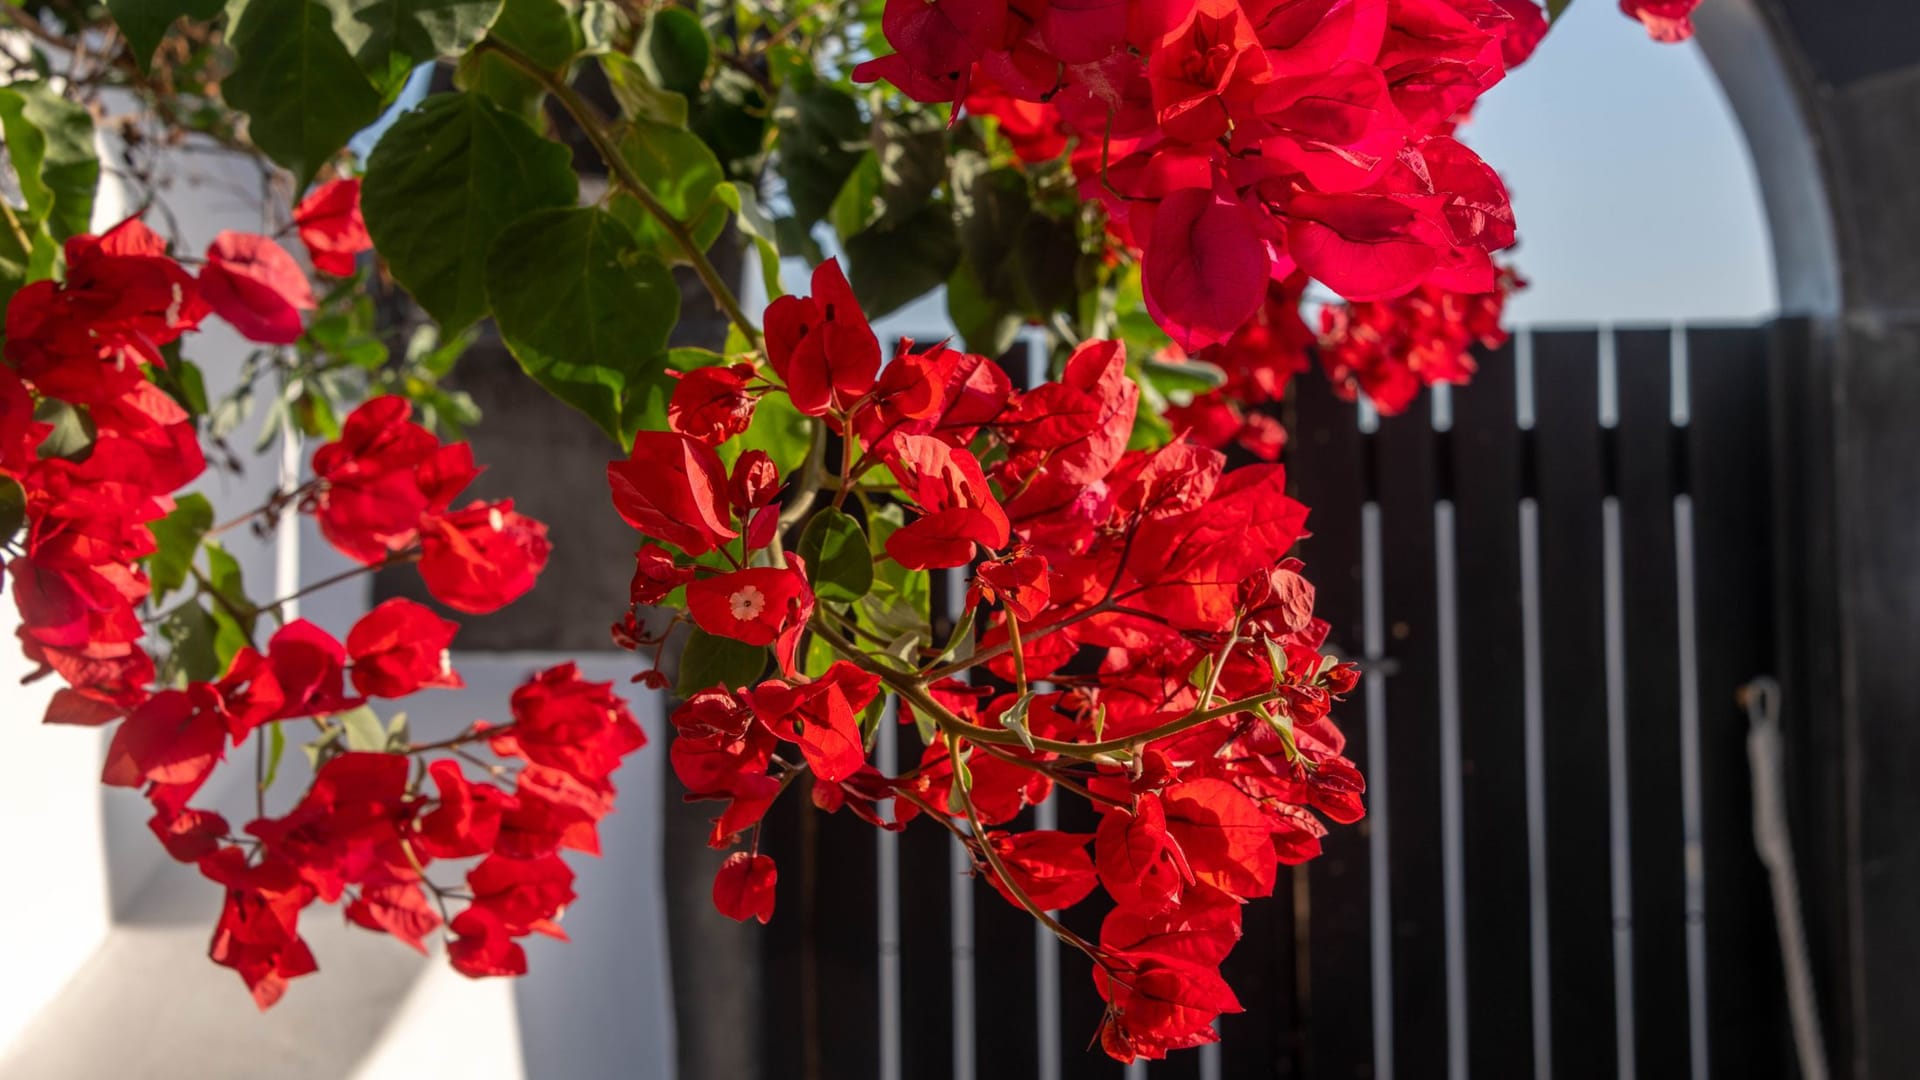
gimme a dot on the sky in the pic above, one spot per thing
(1630, 179)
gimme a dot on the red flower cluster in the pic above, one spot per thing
(1389, 349)
(366, 832)
(382, 493)
(98, 450)
(1201, 734)
(1235, 141)
(331, 227)
(77, 350)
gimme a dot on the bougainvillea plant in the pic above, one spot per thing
(1157, 185)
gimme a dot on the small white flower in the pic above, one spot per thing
(747, 604)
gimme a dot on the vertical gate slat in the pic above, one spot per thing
(1406, 486)
(1645, 489)
(1080, 1005)
(1259, 1042)
(1334, 1020)
(926, 905)
(821, 948)
(782, 1030)
(846, 909)
(1005, 995)
(1728, 453)
(1486, 498)
(1573, 647)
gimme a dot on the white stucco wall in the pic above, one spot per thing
(103, 969)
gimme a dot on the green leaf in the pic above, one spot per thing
(684, 175)
(13, 509)
(754, 223)
(583, 308)
(711, 660)
(959, 643)
(445, 181)
(17, 250)
(145, 22)
(821, 139)
(364, 729)
(858, 205)
(894, 265)
(838, 559)
(638, 96)
(1182, 377)
(177, 542)
(276, 749)
(645, 407)
(778, 429)
(544, 32)
(50, 141)
(389, 38)
(909, 592)
(73, 433)
(232, 612)
(303, 94)
(1557, 8)
(190, 634)
(674, 50)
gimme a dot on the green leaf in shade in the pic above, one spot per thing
(177, 543)
(894, 265)
(73, 432)
(711, 660)
(986, 324)
(389, 38)
(50, 142)
(13, 509)
(445, 181)
(838, 559)
(544, 32)
(583, 308)
(145, 22)
(684, 175)
(731, 117)
(364, 729)
(190, 634)
(674, 50)
(303, 94)
(1557, 8)
(911, 150)
(638, 96)
(821, 139)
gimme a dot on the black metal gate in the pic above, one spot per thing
(1557, 579)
